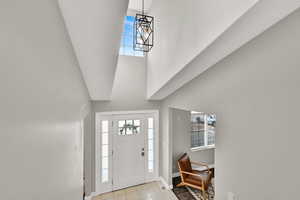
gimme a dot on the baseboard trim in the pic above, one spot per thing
(94, 194)
(165, 184)
(88, 198)
(174, 175)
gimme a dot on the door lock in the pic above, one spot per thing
(143, 152)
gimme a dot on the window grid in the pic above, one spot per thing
(105, 150)
(202, 130)
(150, 145)
(129, 127)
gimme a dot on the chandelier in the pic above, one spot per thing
(143, 35)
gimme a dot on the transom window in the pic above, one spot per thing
(129, 127)
(126, 47)
(202, 130)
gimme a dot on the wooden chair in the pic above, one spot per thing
(194, 178)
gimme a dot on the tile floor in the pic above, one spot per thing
(149, 191)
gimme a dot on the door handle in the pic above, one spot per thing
(143, 152)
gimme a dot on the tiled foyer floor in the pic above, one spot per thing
(149, 191)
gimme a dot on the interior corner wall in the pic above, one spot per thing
(88, 131)
(43, 102)
(254, 93)
(165, 150)
(129, 89)
(181, 140)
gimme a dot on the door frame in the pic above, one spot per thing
(101, 188)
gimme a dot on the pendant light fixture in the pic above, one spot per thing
(143, 35)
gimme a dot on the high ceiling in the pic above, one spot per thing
(95, 29)
(207, 31)
(210, 31)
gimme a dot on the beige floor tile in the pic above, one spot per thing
(149, 191)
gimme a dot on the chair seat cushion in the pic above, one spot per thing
(197, 180)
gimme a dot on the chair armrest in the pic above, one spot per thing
(189, 173)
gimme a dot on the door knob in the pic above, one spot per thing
(143, 152)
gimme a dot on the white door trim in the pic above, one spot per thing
(102, 115)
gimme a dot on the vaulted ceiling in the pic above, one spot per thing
(190, 37)
(198, 39)
(95, 29)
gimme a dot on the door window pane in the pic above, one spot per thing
(104, 175)
(150, 123)
(104, 126)
(150, 134)
(105, 150)
(129, 127)
(150, 165)
(128, 131)
(105, 162)
(105, 138)
(150, 145)
(151, 155)
(121, 123)
(137, 122)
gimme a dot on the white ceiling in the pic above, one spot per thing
(137, 5)
(164, 78)
(95, 29)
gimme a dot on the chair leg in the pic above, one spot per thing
(205, 195)
(204, 192)
(180, 184)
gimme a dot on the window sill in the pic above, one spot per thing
(202, 148)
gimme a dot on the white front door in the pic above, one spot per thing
(128, 151)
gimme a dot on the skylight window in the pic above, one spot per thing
(126, 47)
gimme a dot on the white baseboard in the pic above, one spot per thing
(174, 175)
(93, 194)
(88, 198)
(165, 184)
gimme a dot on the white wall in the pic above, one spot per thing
(129, 90)
(181, 139)
(88, 130)
(183, 29)
(255, 94)
(129, 93)
(43, 99)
